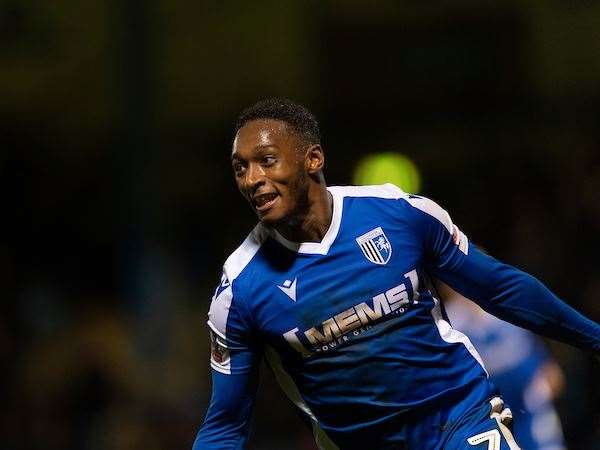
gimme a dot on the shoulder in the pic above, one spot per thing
(382, 191)
(431, 210)
(429, 218)
(411, 204)
(236, 263)
(420, 212)
(243, 255)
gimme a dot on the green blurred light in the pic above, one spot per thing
(389, 167)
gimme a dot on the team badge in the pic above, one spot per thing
(375, 246)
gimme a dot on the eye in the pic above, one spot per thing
(238, 168)
(269, 160)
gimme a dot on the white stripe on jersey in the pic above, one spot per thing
(433, 209)
(451, 335)
(219, 311)
(387, 190)
(446, 331)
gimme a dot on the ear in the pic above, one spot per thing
(314, 159)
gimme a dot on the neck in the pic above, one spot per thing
(312, 225)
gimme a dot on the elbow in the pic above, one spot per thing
(510, 288)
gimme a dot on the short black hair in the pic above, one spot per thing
(299, 118)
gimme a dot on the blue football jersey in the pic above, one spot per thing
(353, 329)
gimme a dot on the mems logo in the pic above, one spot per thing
(353, 321)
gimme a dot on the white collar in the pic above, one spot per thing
(317, 248)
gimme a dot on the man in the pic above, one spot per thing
(334, 288)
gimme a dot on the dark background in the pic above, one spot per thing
(119, 205)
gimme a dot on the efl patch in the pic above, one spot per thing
(219, 353)
(375, 246)
(460, 240)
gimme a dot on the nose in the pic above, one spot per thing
(255, 176)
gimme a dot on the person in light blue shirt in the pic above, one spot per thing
(520, 366)
(334, 288)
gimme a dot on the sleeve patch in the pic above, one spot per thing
(460, 239)
(220, 359)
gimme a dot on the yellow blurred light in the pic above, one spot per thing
(388, 167)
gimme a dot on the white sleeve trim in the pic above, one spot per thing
(221, 369)
(433, 209)
(217, 331)
(219, 312)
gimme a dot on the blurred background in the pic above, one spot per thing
(120, 206)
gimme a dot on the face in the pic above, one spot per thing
(270, 170)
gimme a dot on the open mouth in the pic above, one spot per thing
(263, 202)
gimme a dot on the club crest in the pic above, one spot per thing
(375, 246)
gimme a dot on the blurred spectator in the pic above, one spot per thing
(520, 366)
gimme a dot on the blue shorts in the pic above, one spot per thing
(484, 428)
(457, 427)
